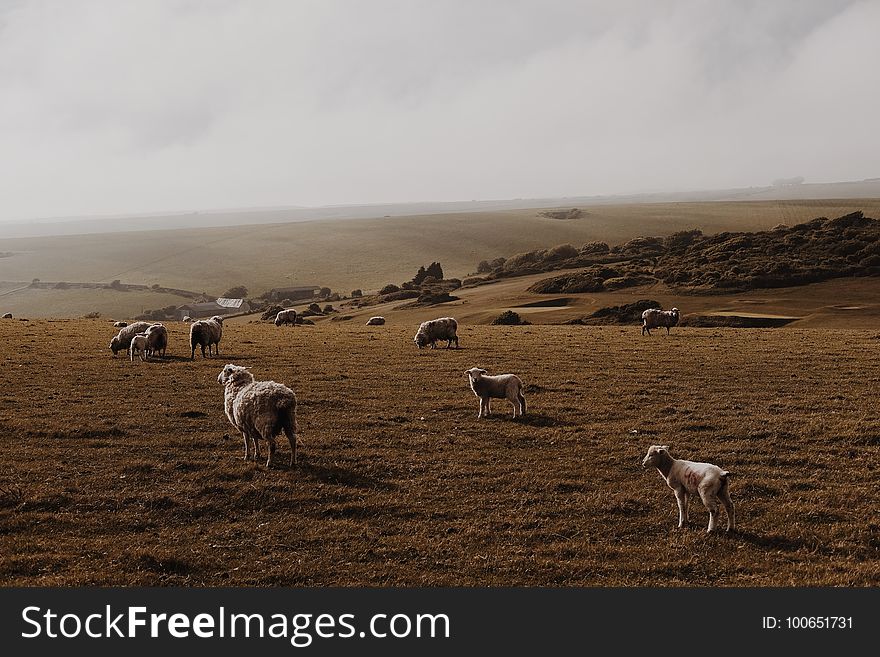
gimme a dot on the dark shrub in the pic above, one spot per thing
(510, 318)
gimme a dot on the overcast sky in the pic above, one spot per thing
(132, 106)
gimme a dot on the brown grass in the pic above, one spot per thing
(118, 473)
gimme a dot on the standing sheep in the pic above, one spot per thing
(444, 328)
(259, 409)
(206, 333)
(157, 340)
(654, 317)
(689, 478)
(285, 317)
(138, 347)
(500, 386)
(122, 340)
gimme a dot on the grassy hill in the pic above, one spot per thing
(365, 253)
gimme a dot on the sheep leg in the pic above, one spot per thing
(289, 428)
(521, 398)
(711, 503)
(482, 403)
(247, 446)
(681, 497)
(667, 330)
(724, 494)
(488, 407)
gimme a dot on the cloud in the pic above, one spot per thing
(110, 107)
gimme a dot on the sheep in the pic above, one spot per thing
(500, 386)
(120, 324)
(157, 340)
(443, 328)
(689, 478)
(122, 340)
(138, 346)
(375, 321)
(654, 317)
(187, 318)
(259, 409)
(285, 317)
(7, 316)
(206, 333)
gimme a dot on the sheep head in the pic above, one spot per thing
(655, 456)
(421, 339)
(236, 374)
(114, 345)
(475, 373)
(217, 319)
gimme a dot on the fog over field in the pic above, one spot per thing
(126, 108)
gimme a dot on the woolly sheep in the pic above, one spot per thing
(120, 324)
(259, 409)
(187, 318)
(687, 478)
(375, 321)
(7, 316)
(654, 317)
(285, 317)
(122, 340)
(157, 340)
(500, 386)
(138, 347)
(429, 332)
(206, 333)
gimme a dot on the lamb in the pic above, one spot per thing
(206, 333)
(138, 347)
(157, 340)
(285, 317)
(187, 318)
(122, 340)
(443, 328)
(689, 478)
(375, 321)
(654, 317)
(500, 386)
(259, 409)
(120, 324)
(7, 316)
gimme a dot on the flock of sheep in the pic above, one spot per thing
(266, 409)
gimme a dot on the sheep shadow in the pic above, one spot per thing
(540, 420)
(769, 541)
(337, 475)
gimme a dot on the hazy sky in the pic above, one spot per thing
(132, 106)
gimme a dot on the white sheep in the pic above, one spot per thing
(285, 317)
(375, 321)
(444, 328)
(259, 409)
(120, 324)
(654, 317)
(157, 340)
(687, 478)
(138, 347)
(7, 316)
(500, 386)
(122, 340)
(206, 333)
(187, 318)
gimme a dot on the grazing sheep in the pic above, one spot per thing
(157, 340)
(654, 317)
(443, 328)
(7, 316)
(259, 409)
(375, 321)
(206, 333)
(122, 340)
(138, 347)
(500, 386)
(187, 318)
(285, 317)
(689, 478)
(120, 324)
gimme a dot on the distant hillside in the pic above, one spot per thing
(785, 256)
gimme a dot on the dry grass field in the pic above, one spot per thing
(119, 473)
(345, 254)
